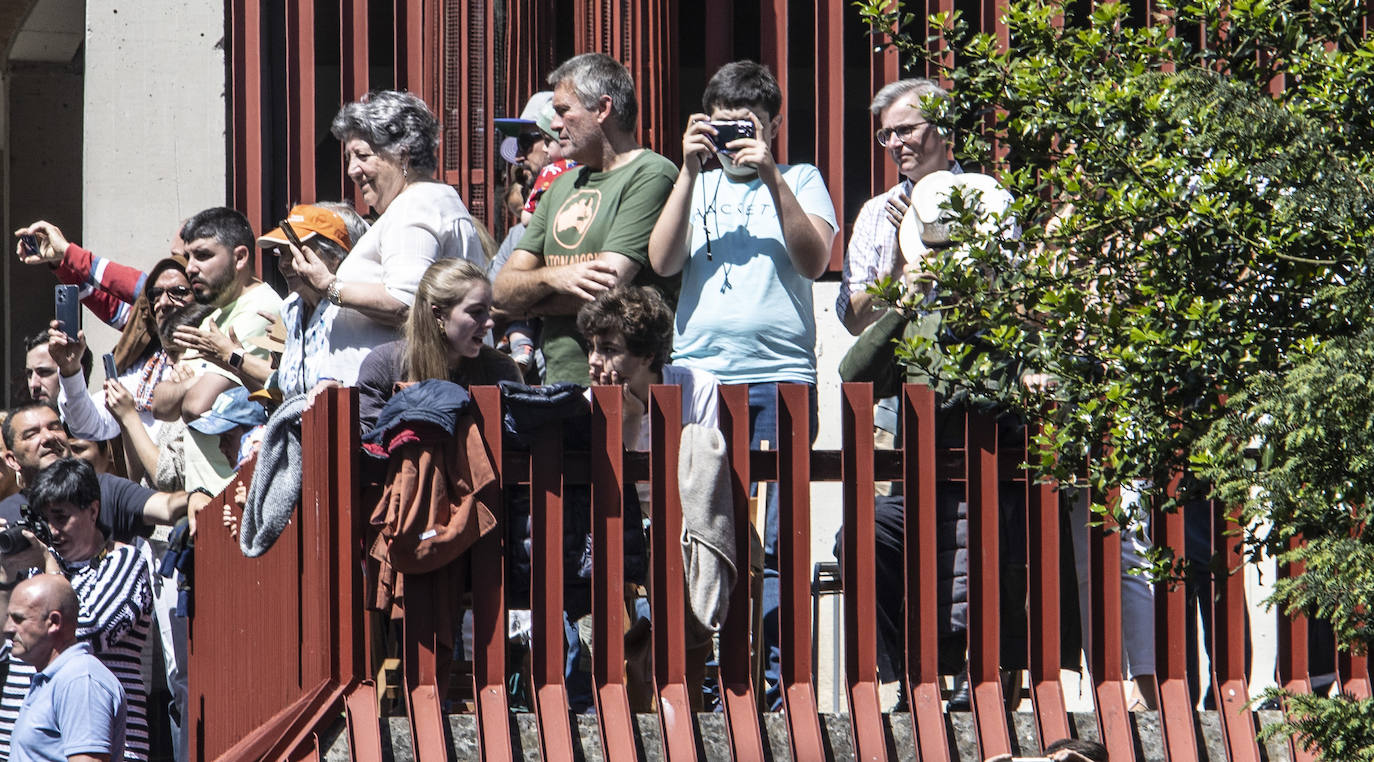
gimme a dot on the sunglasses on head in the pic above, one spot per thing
(176, 292)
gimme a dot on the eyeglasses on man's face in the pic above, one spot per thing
(175, 293)
(903, 133)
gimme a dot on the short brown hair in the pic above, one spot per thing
(639, 315)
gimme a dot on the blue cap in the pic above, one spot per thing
(231, 408)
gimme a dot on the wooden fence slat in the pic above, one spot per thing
(489, 598)
(794, 569)
(1105, 644)
(742, 719)
(922, 573)
(984, 594)
(608, 574)
(1043, 552)
(669, 601)
(1177, 725)
(546, 593)
(1228, 644)
(860, 583)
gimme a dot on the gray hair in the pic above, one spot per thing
(894, 91)
(592, 75)
(354, 222)
(393, 123)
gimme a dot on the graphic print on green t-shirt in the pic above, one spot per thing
(574, 217)
(585, 213)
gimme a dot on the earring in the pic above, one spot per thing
(405, 172)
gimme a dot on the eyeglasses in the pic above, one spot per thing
(904, 132)
(527, 140)
(175, 292)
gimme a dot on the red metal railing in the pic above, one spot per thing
(280, 646)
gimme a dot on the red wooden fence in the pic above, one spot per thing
(279, 646)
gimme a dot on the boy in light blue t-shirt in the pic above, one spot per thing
(749, 236)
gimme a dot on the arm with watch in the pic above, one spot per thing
(225, 351)
(371, 299)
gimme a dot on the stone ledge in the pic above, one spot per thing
(834, 727)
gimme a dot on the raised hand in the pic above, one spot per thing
(52, 245)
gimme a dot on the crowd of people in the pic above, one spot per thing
(620, 268)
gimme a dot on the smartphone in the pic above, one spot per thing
(29, 243)
(67, 309)
(731, 130)
(290, 234)
(110, 371)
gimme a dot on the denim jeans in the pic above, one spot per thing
(763, 425)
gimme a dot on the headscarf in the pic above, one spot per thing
(140, 332)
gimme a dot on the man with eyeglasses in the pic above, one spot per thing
(917, 148)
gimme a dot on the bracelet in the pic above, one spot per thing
(333, 293)
(203, 491)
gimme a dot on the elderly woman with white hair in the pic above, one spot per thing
(390, 142)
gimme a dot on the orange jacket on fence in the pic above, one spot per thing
(439, 498)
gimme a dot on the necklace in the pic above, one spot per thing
(149, 379)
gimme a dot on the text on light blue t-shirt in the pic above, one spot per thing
(745, 313)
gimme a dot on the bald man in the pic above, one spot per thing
(75, 709)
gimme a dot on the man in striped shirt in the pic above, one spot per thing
(111, 583)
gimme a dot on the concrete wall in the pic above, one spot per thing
(155, 150)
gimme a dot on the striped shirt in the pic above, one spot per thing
(116, 613)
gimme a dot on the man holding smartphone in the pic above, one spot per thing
(749, 236)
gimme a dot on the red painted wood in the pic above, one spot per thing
(736, 679)
(1353, 672)
(1113, 719)
(247, 158)
(984, 596)
(1177, 724)
(830, 143)
(669, 581)
(546, 594)
(353, 74)
(1043, 551)
(1293, 672)
(424, 663)
(720, 43)
(489, 598)
(860, 583)
(776, 53)
(922, 573)
(883, 68)
(608, 574)
(794, 569)
(410, 51)
(364, 722)
(1228, 645)
(300, 100)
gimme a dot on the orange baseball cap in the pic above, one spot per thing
(308, 220)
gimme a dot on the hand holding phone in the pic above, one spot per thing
(110, 371)
(67, 309)
(28, 245)
(290, 234)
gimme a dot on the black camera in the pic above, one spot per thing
(731, 130)
(12, 539)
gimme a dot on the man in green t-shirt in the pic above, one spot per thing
(591, 230)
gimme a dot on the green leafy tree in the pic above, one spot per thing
(1193, 270)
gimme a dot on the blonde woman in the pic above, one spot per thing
(444, 338)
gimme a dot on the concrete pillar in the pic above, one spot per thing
(155, 142)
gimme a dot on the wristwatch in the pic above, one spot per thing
(236, 358)
(333, 294)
